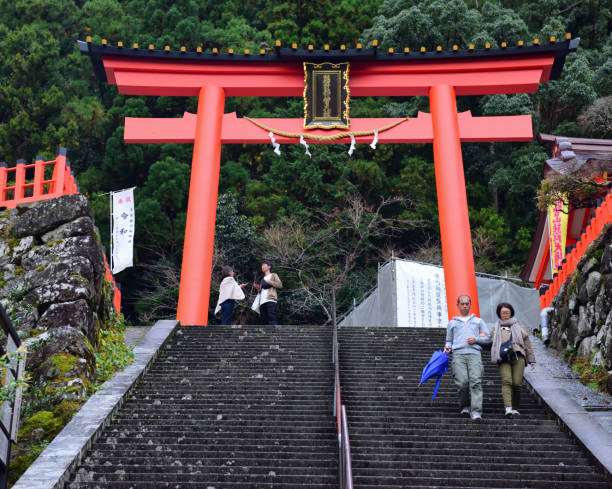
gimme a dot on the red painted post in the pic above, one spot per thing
(196, 271)
(59, 175)
(457, 253)
(39, 171)
(19, 181)
(3, 179)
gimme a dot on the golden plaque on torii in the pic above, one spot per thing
(326, 95)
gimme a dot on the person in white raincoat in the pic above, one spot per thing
(229, 293)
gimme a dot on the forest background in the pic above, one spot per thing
(326, 221)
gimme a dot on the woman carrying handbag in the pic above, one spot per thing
(511, 350)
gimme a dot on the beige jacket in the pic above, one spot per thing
(275, 283)
(498, 336)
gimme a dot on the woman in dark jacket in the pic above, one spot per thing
(512, 365)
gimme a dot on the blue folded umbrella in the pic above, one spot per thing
(437, 366)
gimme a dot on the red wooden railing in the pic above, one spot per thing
(15, 189)
(111, 279)
(602, 217)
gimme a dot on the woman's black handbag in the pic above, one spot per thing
(505, 349)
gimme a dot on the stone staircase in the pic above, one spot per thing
(400, 439)
(225, 407)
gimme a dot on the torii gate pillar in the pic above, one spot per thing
(455, 234)
(199, 242)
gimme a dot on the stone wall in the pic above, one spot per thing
(582, 318)
(53, 287)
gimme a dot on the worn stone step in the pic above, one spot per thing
(495, 475)
(399, 438)
(470, 483)
(279, 476)
(101, 452)
(313, 484)
(458, 458)
(159, 463)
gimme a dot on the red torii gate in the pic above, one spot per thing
(440, 75)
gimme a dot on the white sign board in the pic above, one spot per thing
(421, 296)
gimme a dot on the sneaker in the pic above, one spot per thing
(515, 412)
(476, 416)
(509, 411)
(465, 410)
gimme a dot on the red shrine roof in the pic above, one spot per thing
(558, 50)
(588, 158)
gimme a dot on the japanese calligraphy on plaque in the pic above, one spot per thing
(326, 95)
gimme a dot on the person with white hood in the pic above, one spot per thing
(229, 293)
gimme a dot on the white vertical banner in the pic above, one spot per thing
(122, 217)
(421, 296)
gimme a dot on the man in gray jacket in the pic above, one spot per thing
(465, 335)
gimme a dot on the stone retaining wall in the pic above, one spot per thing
(582, 318)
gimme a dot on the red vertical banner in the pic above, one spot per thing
(557, 222)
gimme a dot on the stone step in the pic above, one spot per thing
(470, 481)
(399, 438)
(155, 462)
(279, 476)
(225, 407)
(450, 458)
(312, 484)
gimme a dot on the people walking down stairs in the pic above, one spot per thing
(465, 336)
(400, 438)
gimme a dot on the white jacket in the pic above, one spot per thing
(229, 289)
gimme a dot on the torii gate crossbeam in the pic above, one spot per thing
(441, 76)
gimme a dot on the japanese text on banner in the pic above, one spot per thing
(557, 219)
(123, 229)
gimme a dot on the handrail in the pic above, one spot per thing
(10, 411)
(345, 470)
(601, 216)
(14, 187)
(347, 465)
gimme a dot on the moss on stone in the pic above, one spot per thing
(65, 410)
(41, 267)
(595, 253)
(64, 362)
(80, 277)
(571, 288)
(20, 464)
(13, 242)
(44, 420)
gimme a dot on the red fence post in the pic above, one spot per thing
(39, 176)
(3, 179)
(59, 174)
(19, 180)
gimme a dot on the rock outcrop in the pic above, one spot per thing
(582, 320)
(54, 290)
